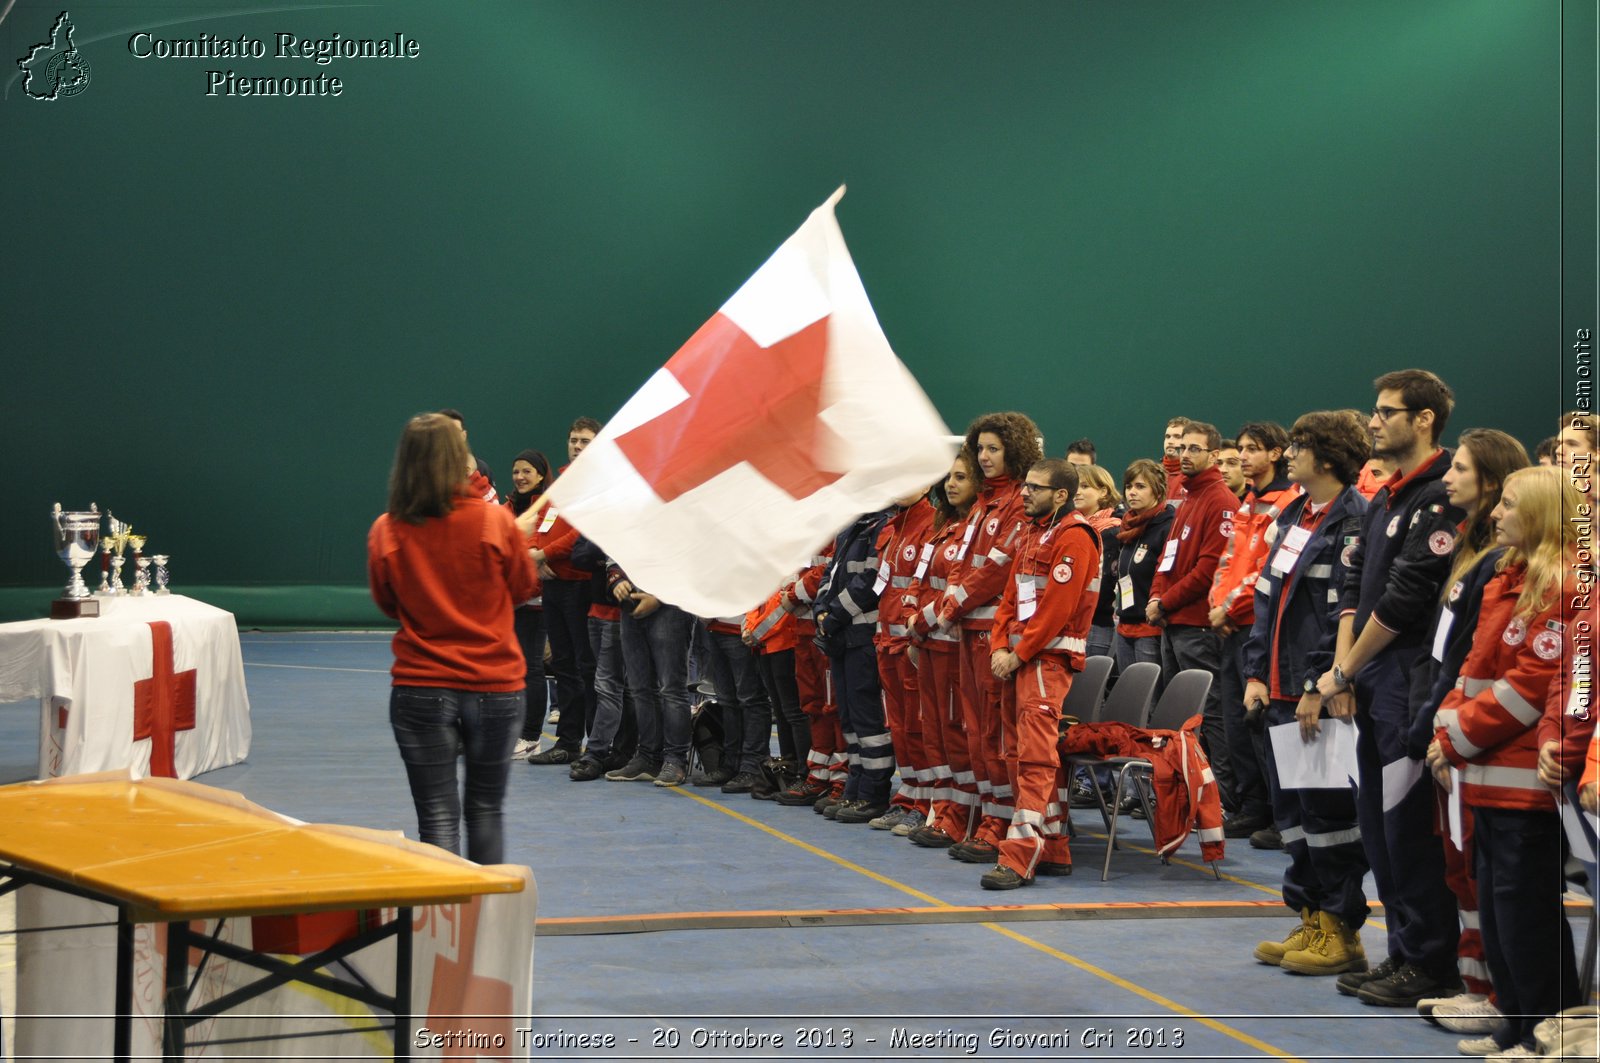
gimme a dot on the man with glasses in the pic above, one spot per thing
(1387, 606)
(1180, 592)
(1039, 638)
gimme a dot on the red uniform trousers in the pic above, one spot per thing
(1031, 707)
(1460, 875)
(955, 789)
(826, 763)
(903, 715)
(980, 716)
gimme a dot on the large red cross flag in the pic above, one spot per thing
(785, 417)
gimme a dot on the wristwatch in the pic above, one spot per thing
(1340, 678)
(1311, 684)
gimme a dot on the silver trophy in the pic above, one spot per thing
(161, 573)
(106, 546)
(117, 535)
(141, 578)
(77, 534)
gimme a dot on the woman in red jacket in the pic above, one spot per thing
(1487, 728)
(451, 568)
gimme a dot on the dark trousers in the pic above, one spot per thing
(1246, 751)
(1190, 646)
(1405, 854)
(655, 649)
(739, 689)
(1526, 939)
(529, 623)
(783, 693)
(1321, 837)
(566, 618)
(866, 735)
(433, 727)
(614, 733)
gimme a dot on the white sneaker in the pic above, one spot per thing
(1514, 1052)
(1426, 1005)
(1478, 1046)
(1480, 1016)
(890, 819)
(554, 717)
(524, 748)
(912, 821)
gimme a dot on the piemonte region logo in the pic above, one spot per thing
(57, 63)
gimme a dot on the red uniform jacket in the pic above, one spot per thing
(452, 582)
(1200, 531)
(1050, 599)
(1488, 725)
(1234, 586)
(990, 540)
(1186, 794)
(773, 629)
(899, 549)
(943, 550)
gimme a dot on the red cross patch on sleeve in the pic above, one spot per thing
(1062, 573)
(1440, 542)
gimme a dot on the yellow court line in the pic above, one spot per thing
(1082, 965)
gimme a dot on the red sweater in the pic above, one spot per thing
(453, 582)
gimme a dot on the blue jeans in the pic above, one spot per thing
(612, 720)
(655, 651)
(1131, 651)
(747, 714)
(433, 725)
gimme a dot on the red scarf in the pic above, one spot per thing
(1133, 523)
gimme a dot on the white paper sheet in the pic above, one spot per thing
(1328, 763)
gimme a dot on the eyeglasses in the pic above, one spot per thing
(1029, 487)
(1193, 448)
(1293, 448)
(1383, 413)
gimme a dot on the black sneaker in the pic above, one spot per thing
(832, 811)
(1266, 838)
(672, 775)
(1242, 826)
(974, 851)
(741, 783)
(861, 811)
(1404, 988)
(639, 769)
(930, 837)
(1083, 797)
(714, 777)
(553, 755)
(586, 769)
(1350, 982)
(804, 792)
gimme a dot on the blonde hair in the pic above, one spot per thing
(1099, 479)
(1547, 508)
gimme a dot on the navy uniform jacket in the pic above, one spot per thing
(1400, 565)
(1432, 678)
(850, 591)
(1309, 593)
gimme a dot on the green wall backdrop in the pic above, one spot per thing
(220, 310)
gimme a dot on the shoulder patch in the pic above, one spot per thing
(1516, 632)
(1226, 527)
(993, 525)
(1455, 589)
(1547, 645)
(951, 551)
(1347, 554)
(1062, 573)
(1441, 542)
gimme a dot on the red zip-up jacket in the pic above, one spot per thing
(899, 547)
(1061, 562)
(1200, 529)
(925, 592)
(1488, 725)
(990, 540)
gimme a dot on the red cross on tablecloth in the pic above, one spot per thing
(163, 705)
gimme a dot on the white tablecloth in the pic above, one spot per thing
(87, 672)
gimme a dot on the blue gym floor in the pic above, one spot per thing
(915, 973)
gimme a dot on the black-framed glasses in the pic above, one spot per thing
(1029, 488)
(1383, 413)
(1193, 448)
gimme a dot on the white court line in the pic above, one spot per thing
(317, 668)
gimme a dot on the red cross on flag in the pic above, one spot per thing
(782, 419)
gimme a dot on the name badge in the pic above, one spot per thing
(966, 541)
(1441, 634)
(1138, 555)
(1027, 600)
(549, 519)
(1288, 551)
(922, 563)
(1125, 593)
(883, 578)
(1168, 556)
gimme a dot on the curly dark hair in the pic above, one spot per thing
(1018, 434)
(1336, 438)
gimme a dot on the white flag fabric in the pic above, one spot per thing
(785, 417)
